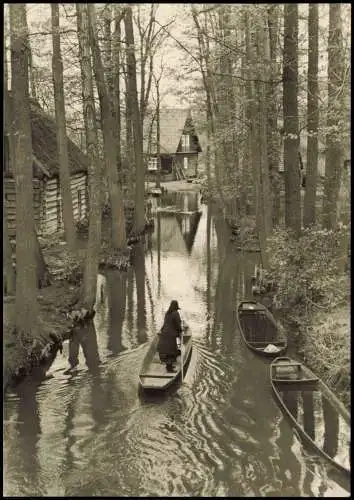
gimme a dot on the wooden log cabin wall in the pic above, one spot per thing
(46, 188)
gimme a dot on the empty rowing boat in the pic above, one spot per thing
(259, 329)
(153, 374)
(320, 418)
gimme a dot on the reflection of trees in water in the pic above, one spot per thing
(68, 432)
(151, 301)
(186, 201)
(117, 291)
(331, 428)
(308, 415)
(94, 397)
(84, 336)
(158, 216)
(289, 468)
(130, 299)
(208, 273)
(28, 428)
(139, 266)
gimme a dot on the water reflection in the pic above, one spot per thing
(139, 267)
(88, 432)
(84, 336)
(117, 293)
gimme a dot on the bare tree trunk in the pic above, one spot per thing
(110, 152)
(62, 141)
(26, 279)
(9, 273)
(273, 135)
(94, 177)
(206, 70)
(43, 275)
(107, 55)
(137, 132)
(116, 87)
(158, 139)
(334, 151)
(147, 38)
(312, 118)
(31, 73)
(264, 55)
(291, 119)
(255, 141)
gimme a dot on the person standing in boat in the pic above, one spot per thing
(170, 331)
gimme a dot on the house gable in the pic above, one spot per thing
(193, 141)
(44, 143)
(173, 124)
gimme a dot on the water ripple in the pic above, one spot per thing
(90, 433)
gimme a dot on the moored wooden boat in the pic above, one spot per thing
(155, 191)
(177, 211)
(153, 373)
(319, 417)
(259, 329)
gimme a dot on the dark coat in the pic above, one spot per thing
(170, 330)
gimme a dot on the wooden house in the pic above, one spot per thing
(46, 187)
(179, 145)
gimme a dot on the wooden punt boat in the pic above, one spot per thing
(259, 329)
(155, 191)
(177, 211)
(153, 373)
(321, 420)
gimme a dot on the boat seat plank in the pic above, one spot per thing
(286, 365)
(296, 380)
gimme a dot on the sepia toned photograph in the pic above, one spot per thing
(176, 250)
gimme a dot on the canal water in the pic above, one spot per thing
(90, 432)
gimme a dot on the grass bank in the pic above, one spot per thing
(324, 345)
(313, 293)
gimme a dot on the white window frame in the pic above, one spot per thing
(185, 142)
(152, 165)
(185, 162)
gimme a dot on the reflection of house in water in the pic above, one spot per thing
(188, 224)
(187, 212)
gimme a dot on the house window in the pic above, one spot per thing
(185, 163)
(185, 142)
(152, 166)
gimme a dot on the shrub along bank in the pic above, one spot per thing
(313, 291)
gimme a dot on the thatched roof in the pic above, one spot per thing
(172, 124)
(44, 141)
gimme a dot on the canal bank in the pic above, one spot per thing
(58, 310)
(220, 433)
